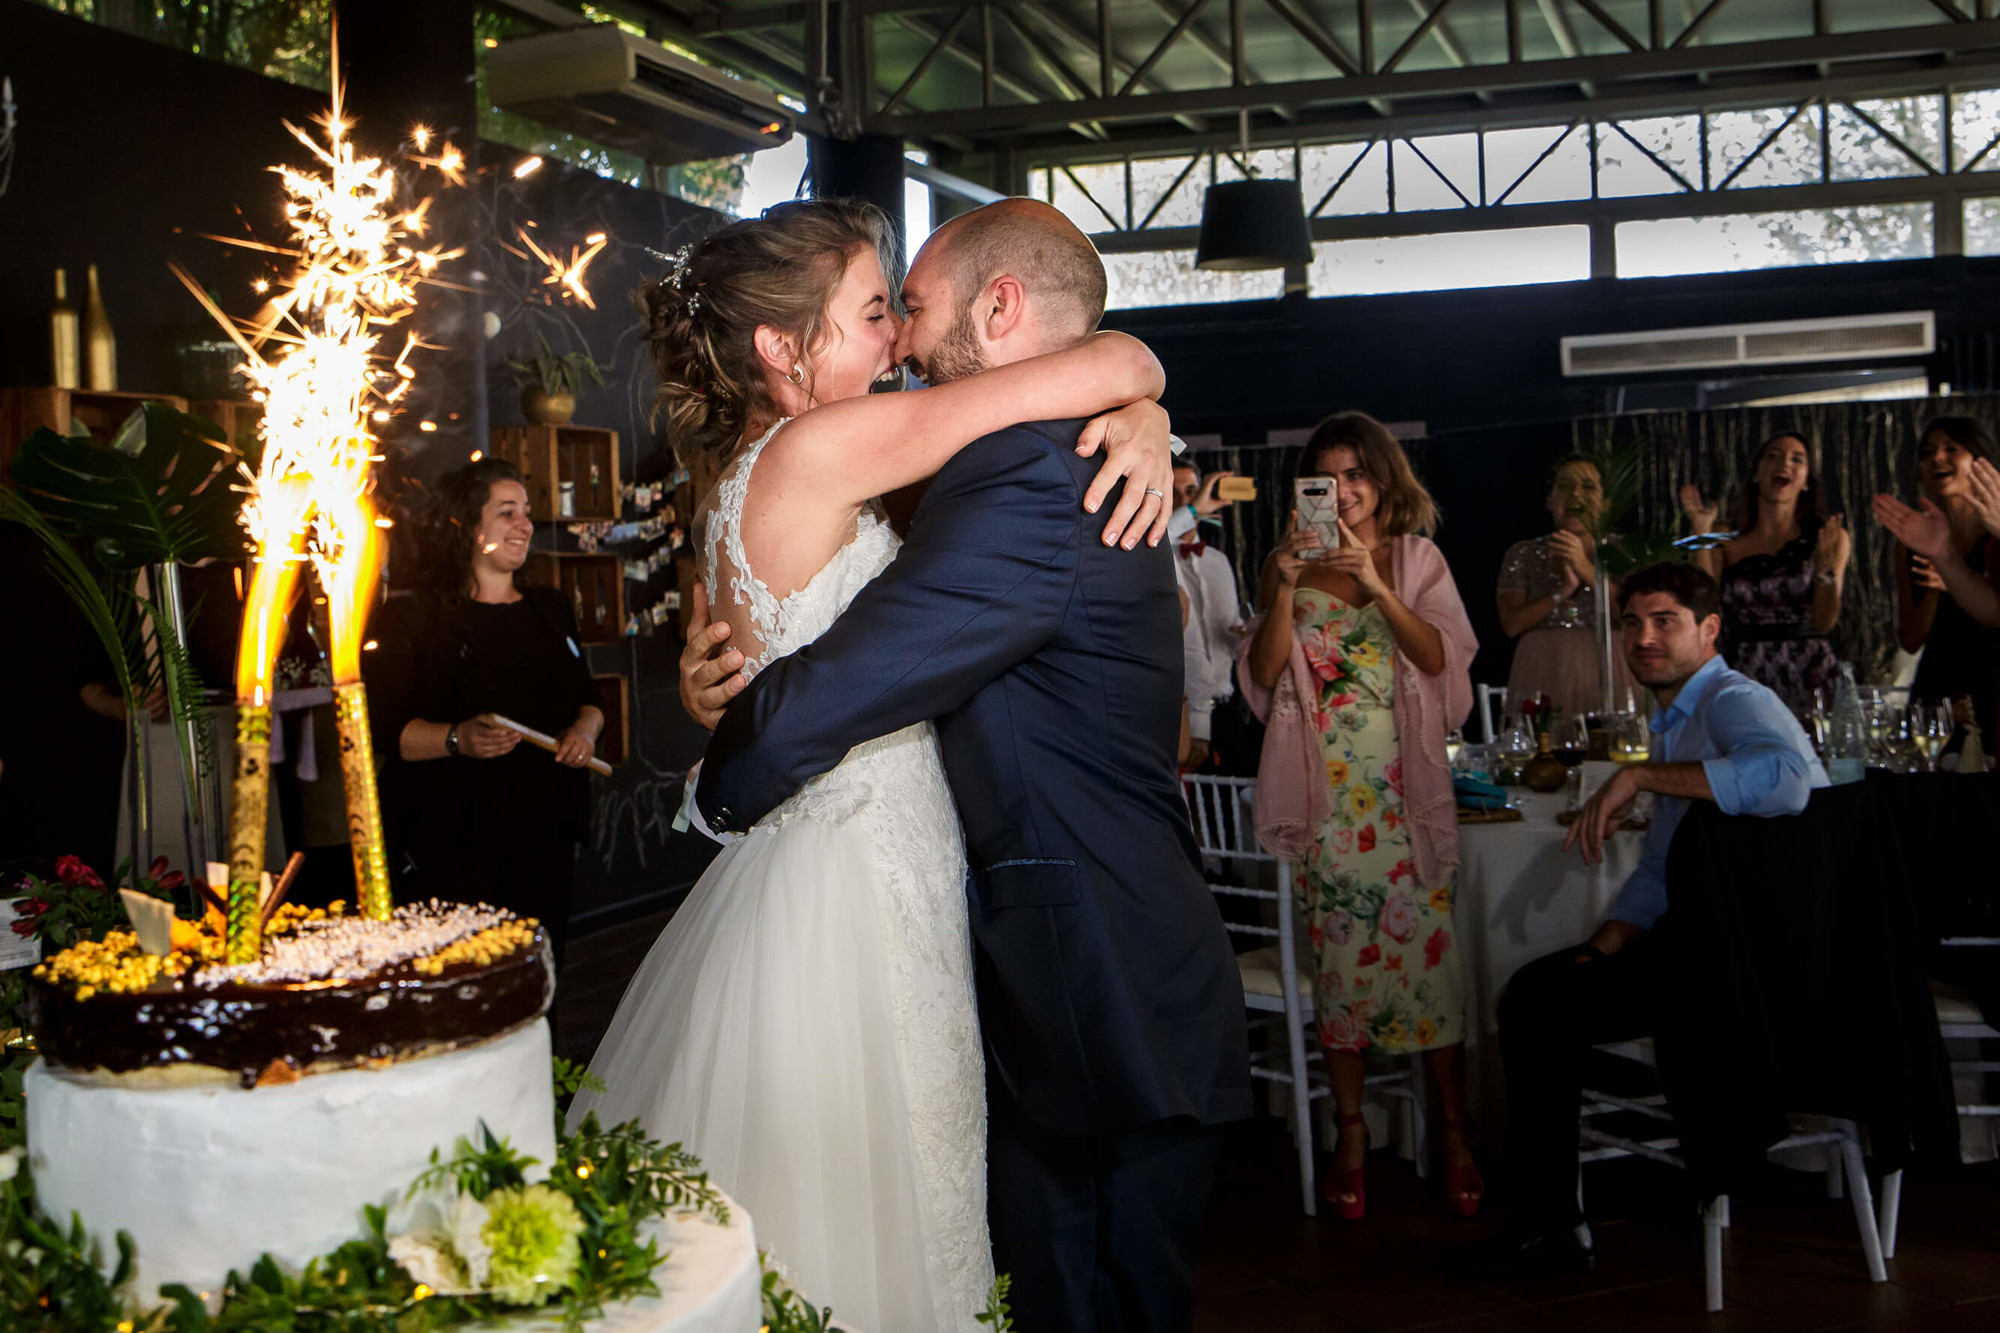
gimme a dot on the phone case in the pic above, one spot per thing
(1318, 503)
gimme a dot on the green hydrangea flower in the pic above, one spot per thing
(532, 1233)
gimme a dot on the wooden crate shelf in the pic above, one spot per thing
(24, 411)
(594, 586)
(615, 698)
(584, 456)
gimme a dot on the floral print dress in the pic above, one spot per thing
(1385, 966)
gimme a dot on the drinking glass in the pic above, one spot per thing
(1569, 740)
(1931, 726)
(1454, 745)
(1631, 739)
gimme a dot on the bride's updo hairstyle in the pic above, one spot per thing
(780, 270)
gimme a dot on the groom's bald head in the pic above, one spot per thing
(1034, 243)
(999, 284)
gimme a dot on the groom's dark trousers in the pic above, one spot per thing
(1108, 992)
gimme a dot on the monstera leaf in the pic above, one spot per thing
(165, 489)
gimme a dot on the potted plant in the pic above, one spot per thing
(549, 381)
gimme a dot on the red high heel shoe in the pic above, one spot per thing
(1464, 1190)
(1347, 1181)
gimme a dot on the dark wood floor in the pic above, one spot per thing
(1793, 1260)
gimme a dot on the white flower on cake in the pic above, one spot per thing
(518, 1245)
(437, 1241)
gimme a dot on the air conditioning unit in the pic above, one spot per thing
(617, 89)
(1847, 338)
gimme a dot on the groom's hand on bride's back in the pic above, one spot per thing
(711, 673)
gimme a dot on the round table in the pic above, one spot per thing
(1520, 895)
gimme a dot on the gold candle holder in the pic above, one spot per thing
(364, 807)
(249, 810)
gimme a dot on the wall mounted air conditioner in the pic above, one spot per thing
(614, 88)
(1847, 338)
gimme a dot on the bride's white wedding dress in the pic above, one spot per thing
(805, 1023)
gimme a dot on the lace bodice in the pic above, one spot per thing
(783, 625)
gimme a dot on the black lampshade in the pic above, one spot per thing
(1253, 224)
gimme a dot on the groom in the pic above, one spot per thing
(1108, 993)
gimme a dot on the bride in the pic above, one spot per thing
(805, 1023)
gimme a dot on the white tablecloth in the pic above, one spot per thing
(1520, 895)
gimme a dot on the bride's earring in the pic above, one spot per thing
(798, 375)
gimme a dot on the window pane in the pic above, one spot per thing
(1563, 174)
(1623, 170)
(1861, 152)
(1366, 189)
(1152, 179)
(1773, 240)
(1268, 163)
(1982, 226)
(1169, 277)
(1975, 124)
(1791, 159)
(1461, 259)
(1093, 196)
(1455, 157)
(1675, 140)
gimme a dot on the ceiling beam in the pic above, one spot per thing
(1744, 72)
(1943, 191)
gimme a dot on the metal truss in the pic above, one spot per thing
(1719, 183)
(1392, 66)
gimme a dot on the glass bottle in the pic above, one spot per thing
(65, 358)
(100, 349)
(1847, 731)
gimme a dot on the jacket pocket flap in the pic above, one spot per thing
(1030, 883)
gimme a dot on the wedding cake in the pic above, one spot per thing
(217, 1112)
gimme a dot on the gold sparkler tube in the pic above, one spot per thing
(364, 808)
(248, 812)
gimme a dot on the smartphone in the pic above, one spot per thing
(1236, 489)
(1317, 501)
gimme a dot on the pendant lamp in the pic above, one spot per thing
(1253, 224)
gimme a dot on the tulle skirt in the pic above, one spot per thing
(762, 1033)
(1562, 663)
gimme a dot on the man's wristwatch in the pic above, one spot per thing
(451, 741)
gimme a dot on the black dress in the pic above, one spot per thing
(500, 830)
(1767, 618)
(1962, 656)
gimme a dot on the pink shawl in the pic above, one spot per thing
(1293, 796)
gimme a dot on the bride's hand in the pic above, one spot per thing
(709, 680)
(1138, 448)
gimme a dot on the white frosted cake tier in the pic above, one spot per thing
(207, 1177)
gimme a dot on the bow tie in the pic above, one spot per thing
(1189, 550)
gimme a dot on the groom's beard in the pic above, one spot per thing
(957, 355)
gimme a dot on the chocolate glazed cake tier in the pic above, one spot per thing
(311, 1026)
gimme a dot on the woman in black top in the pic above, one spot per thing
(474, 815)
(1782, 574)
(1946, 602)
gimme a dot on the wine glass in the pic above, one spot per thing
(1631, 739)
(1569, 740)
(1931, 725)
(1454, 744)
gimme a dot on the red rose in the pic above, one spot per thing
(29, 913)
(1369, 956)
(1364, 841)
(72, 870)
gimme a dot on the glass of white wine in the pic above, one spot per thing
(1454, 746)
(1631, 739)
(1931, 725)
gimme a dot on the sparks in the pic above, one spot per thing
(527, 166)
(566, 278)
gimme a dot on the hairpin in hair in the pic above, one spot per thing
(677, 277)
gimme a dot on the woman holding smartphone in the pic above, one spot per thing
(1361, 665)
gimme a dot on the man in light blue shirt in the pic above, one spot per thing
(1717, 736)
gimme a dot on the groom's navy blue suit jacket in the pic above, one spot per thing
(1108, 991)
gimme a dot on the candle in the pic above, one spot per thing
(348, 555)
